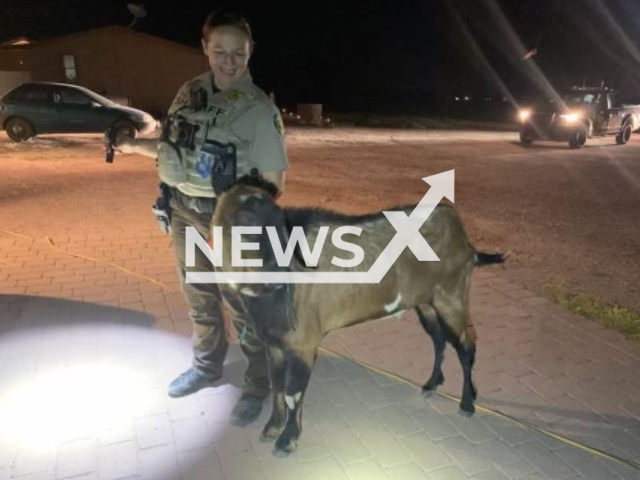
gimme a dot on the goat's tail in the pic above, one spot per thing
(482, 258)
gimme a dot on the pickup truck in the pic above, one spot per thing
(582, 113)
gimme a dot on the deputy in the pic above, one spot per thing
(220, 126)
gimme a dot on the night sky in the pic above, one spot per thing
(402, 56)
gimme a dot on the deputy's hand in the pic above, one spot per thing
(125, 144)
(147, 147)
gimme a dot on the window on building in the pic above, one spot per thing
(69, 63)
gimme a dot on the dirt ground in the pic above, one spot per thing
(564, 215)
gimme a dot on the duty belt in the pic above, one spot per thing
(197, 204)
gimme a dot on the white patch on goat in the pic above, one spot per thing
(244, 198)
(292, 400)
(249, 292)
(291, 403)
(390, 307)
(235, 286)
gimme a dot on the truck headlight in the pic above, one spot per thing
(570, 117)
(524, 115)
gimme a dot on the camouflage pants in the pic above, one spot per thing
(206, 313)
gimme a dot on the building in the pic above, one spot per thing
(118, 62)
(15, 63)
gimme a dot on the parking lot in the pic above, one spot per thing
(87, 282)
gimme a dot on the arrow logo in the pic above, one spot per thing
(407, 235)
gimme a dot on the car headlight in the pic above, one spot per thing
(524, 115)
(570, 117)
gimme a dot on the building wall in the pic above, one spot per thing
(10, 79)
(153, 69)
(15, 67)
(95, 58)
(117, 61)
(15, 59)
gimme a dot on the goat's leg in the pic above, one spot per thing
(466, 349)
(429, 321)
(277, 370)
(452, 308)
(298, 373)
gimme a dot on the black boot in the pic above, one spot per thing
(190, 382)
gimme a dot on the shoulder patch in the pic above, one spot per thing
(277, 122)
(181, 100)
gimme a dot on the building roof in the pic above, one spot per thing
(110, 29)
(15, 42)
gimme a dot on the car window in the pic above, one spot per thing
(74, 97)
(30, 95)
(581, 98)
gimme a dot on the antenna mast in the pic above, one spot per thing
(138, 11)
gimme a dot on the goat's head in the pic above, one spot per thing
(250, 202)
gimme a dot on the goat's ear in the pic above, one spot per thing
(279, 221)
(275, 218)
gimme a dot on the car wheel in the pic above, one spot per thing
(125, 128)
(19, 130)
(625, 134)
(578, 138)
(525, 140)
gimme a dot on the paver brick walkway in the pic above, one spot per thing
(63, 317)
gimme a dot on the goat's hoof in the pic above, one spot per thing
(467, 411)
(284, 448)
(428, 392)
(264, 438)
(269, 434)
(432, 385)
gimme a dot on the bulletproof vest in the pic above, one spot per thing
(197, 139)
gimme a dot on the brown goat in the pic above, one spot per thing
(292, 319)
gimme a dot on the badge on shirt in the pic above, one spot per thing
(233, 95)
(277, 122)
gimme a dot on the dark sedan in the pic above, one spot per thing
(34, 108)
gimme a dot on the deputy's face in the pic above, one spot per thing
(228, 49)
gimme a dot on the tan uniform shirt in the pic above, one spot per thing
(242, 115)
